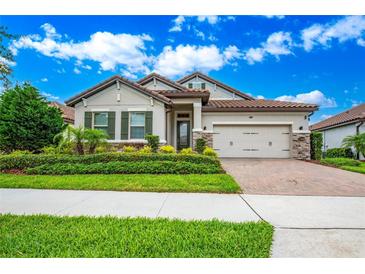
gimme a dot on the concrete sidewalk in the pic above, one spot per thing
(305, 226)
(186, 206)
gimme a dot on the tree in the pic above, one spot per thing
(78, 137)
(26, 120)
(6, 56)
(94, 138)
(356, 141)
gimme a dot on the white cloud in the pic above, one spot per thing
(180, 20)
(77, 71)
(211, 19)
(108, 49)
(187, 58)
(347, 28)
(178, 23)
(61, 71)
(44, 79)
(50, 96)
(278, 43)
(275, 16)
(325, 116)
(312, 97)
(260, 97)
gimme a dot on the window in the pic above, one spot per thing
(101, 121)
(137, 125)
(197, 85)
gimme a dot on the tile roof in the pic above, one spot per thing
(218, 83)
(91, 91)
(68, 113)
(349, 116)
(163, 79)
(256, 105)
(188, 93)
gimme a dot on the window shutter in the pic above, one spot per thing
(203, 86)
(88, 119)
(148, 122)
(190, 85)
(125, 125)
(111, 125)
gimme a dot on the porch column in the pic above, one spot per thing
(197, 115)
(168, 128)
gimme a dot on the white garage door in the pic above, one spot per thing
(252, 141)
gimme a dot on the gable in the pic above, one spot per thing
(221, 88)
(158, 85)
(216, 92)
(115, 81)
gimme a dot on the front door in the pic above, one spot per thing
(183, 134)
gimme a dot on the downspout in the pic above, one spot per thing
(357, 133)
(167, 121)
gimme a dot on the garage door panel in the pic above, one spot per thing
(252, 141)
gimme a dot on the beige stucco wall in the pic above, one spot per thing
(130, 100)
(297, 120)
(216, 92)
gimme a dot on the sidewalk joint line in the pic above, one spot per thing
(162, 205)
(252, 208)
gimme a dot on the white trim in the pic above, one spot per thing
(197, 105)
(182, 119)
(197, 130)
(301, 131)
(136, 109)
(252, 123)
(99, 109)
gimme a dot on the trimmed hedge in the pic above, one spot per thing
(316, 144)
(157, 167)
(338, 162)
(24, 161)
(339, 153)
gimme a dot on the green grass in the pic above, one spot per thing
(221, 183)
(49, 236)
(358, 169)
(346, 164)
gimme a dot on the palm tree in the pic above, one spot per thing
(78, 137)
(356, 141)
(63, 139)
(94, 138)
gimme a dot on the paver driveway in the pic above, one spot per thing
(293, 177)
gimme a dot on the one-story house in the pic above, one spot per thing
(197, 106)
(68, 113)
(336, 128)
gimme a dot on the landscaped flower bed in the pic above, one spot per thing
(142, 167)
(11, 162)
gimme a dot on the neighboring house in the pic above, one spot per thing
(68, 113)
(196, 106)
(336, 128)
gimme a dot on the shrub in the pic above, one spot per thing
(156, 167)
(316, 143)
(338, 162)
(95, 138)
(187, 151)
(33, 160)
(129, 149)
(356, 141)
(145, 150)
(153, 141)
(50, 150)
(200, 145)
(167, 149)
(20, 152)
(208, 151)
(27, 122)
(339, 153)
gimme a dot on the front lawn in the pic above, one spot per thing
(220, 183)
(108, 237)
(346, 164)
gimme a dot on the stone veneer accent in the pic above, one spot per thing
(301, 146)
(207, 136)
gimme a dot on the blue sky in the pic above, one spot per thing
(315, 59)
